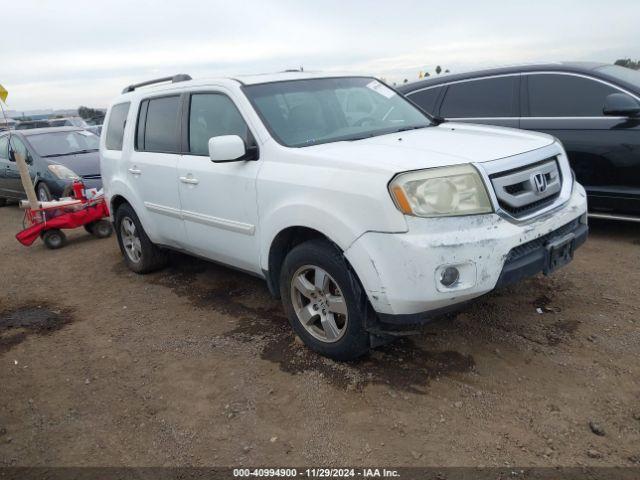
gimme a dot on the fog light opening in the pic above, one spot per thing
(449, 276)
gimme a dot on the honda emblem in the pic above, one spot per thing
(540, 182)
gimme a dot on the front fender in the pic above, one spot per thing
(336, 229)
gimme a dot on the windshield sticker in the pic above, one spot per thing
(380, 89)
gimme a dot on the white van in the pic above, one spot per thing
(365, 215)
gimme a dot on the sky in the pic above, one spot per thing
(63, 53)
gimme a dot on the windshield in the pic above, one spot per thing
(622, 73)
(63, 143)
(301, 113)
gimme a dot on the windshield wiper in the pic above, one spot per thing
(386, 132)
(362, 137)
(405, 129)
(70, 153)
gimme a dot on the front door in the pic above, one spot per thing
(219, 204)
(493, 101)
(604, 151)
(12, 181)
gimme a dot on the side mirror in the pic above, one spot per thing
(622, 105)
(227, 148)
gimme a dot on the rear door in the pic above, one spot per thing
(491, 100)
(604, 151)
(4, 165)
(219, 203)
(152, 168)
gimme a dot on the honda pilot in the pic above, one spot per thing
(362, 213)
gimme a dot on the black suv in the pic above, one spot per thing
(593, 108)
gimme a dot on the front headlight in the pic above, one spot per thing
(63, 173)
(441, 192)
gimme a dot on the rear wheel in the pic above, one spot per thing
(140, 254)
(324, 301)
(99, 229)
(54, 239)
(3, 202)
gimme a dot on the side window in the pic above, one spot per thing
(18, 147)
(4, 147)
(157, 129)
(115, 128)
(426, 99)
(211, 115)
(566, 96)
(491, 97)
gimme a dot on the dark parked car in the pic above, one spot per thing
(28, 124)
(56, 157)
(593, 108)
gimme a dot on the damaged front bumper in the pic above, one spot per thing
(401, 272)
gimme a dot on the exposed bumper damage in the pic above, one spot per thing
(401, 271)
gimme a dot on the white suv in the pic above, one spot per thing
(363, 214)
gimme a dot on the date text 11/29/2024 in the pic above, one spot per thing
(315, 473)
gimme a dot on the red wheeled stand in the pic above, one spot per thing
(50, 218)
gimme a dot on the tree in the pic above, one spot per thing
(438, 69)
(446, 71)
(405, 81)
(91, 113)
(627, 62)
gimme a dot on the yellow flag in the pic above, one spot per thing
(3, 93)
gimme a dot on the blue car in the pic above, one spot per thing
(56, 157)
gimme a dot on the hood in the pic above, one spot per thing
(82, 163)
(446, 144)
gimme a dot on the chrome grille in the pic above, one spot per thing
(525, 190)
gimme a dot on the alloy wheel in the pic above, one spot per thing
(319, 304)
(130, 240)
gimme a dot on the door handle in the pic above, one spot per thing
(135, 171)
(189, 180)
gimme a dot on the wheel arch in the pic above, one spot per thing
(115, 203)
(283, 242)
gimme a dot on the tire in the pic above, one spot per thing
(99, 229)
(3, 202)
(43, 193)
(140, 254)
(316, 315)
(54, 239)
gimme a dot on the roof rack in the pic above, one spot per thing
(181, 77)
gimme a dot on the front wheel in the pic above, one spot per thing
(140, 254)
(324, 301)
(44, 194)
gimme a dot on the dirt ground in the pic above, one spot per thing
(196, 365)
